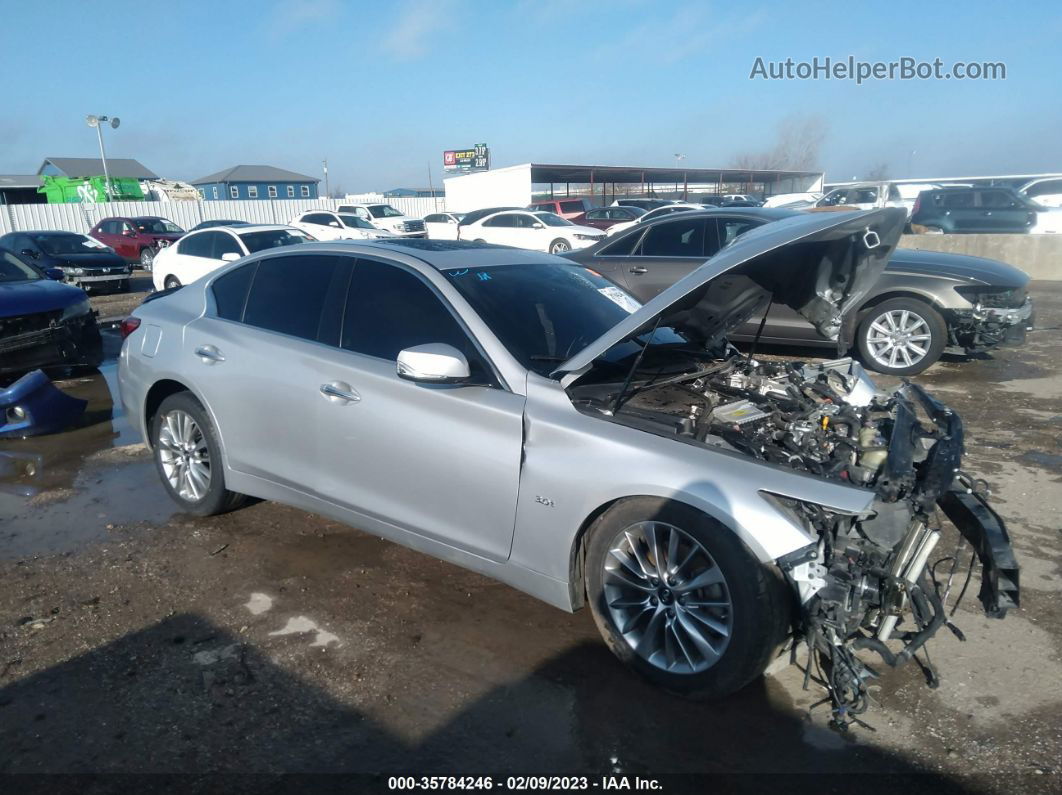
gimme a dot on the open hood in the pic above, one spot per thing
(818, 264)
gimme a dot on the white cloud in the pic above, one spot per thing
(417, 22)
(292, 15)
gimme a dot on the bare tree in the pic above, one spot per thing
(800, 138)
(879, 173)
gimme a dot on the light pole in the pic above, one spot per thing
(97, 122)
(324, 165)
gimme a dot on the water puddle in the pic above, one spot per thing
(61, 491)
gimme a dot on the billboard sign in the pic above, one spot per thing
(474, 158)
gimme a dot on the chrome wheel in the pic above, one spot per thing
(184, 455)
(898, 338)
(559, 247)
(667, 598)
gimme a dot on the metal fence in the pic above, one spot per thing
(186, 214)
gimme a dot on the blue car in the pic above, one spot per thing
(43, 323)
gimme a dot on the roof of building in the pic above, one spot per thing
(254, 174)
(93, 167)
(552, 173)
(19, 181)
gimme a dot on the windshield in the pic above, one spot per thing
(158, 226)
(60, 245)
(12, 269)
(272, 238)
(543, 313)
(355, 223)
(383, 211)
(552, 219)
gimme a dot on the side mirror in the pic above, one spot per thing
(538, 226)
(434, 363)
(55, 274)
(230, 256)
(29, 252)
(334, 223)
(129, 233)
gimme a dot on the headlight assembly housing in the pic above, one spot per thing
(76, 310)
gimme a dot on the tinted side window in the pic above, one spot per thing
(1045, 188)
(289, 295)
(435, 219)
(598, 215)
(624, 246)
(962, 198)
(571, 207)
(195, 245)
(318, 218)
(997, 199)
(230, 292)
(683, 237)
(501, 220)
(224, 243)
(390, 309)
(728, 229)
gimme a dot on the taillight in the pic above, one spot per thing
(128, 326)
(917, 204)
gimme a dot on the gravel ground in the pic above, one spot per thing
(134, 639)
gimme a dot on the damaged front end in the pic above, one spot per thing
(998, 317)
(868, 582)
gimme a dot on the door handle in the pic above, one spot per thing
(340, 391)
(209, 354)
(639, 269)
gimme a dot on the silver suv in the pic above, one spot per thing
(517, 414)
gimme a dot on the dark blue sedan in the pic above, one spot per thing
(84, 261)
(43, 323)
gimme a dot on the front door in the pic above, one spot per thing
(668, 251)
(439, 461)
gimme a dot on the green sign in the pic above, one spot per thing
(90, 190)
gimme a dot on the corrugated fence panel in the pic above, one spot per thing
(186, 214)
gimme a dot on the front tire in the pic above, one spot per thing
(559, 246)
(171, 282)
(188, 457)
(679, 598)
(901, 336)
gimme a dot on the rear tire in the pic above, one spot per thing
(171, 282)
(188, 457)
(887, 348)
(147, 258)
(706, 628)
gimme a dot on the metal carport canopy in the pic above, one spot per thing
(548, 173)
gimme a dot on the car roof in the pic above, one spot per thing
(442, 255)
(242, 230)
(46, 232)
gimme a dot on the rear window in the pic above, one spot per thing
(230, 292)
(571, 207)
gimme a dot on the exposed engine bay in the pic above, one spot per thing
(869, 582)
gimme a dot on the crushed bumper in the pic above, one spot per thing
(987, 533)
(77, 342)
(985, 327)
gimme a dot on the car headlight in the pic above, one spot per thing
(72, 271)
(587, 237)
(76, 310)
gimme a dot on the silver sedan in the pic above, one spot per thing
(517, 414)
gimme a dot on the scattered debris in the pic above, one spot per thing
(301, 625)
(222, 548)
(259, 603)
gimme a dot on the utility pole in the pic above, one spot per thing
(431, 188)
(328, 192)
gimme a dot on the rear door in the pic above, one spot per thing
(194, 257)
(260, 357)
(666, 252)
(439, 461)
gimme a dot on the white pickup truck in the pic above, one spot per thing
(384, 216)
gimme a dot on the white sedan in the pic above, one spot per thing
(327, 225)
(199, 253)
(442, 226)
(538, 231)
(652, 215)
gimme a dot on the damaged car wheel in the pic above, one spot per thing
(901, 336)
(678, 597)
(188, 457)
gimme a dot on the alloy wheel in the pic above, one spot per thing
(184, 455)
(667, 598)
(898, 338)
(560, 247)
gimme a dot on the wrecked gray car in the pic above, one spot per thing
(520, 415)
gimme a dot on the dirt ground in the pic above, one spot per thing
(134, 639)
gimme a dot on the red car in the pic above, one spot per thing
(137, 239)
(604, 217)
(565, 208)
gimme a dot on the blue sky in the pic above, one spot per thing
(382, 88)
